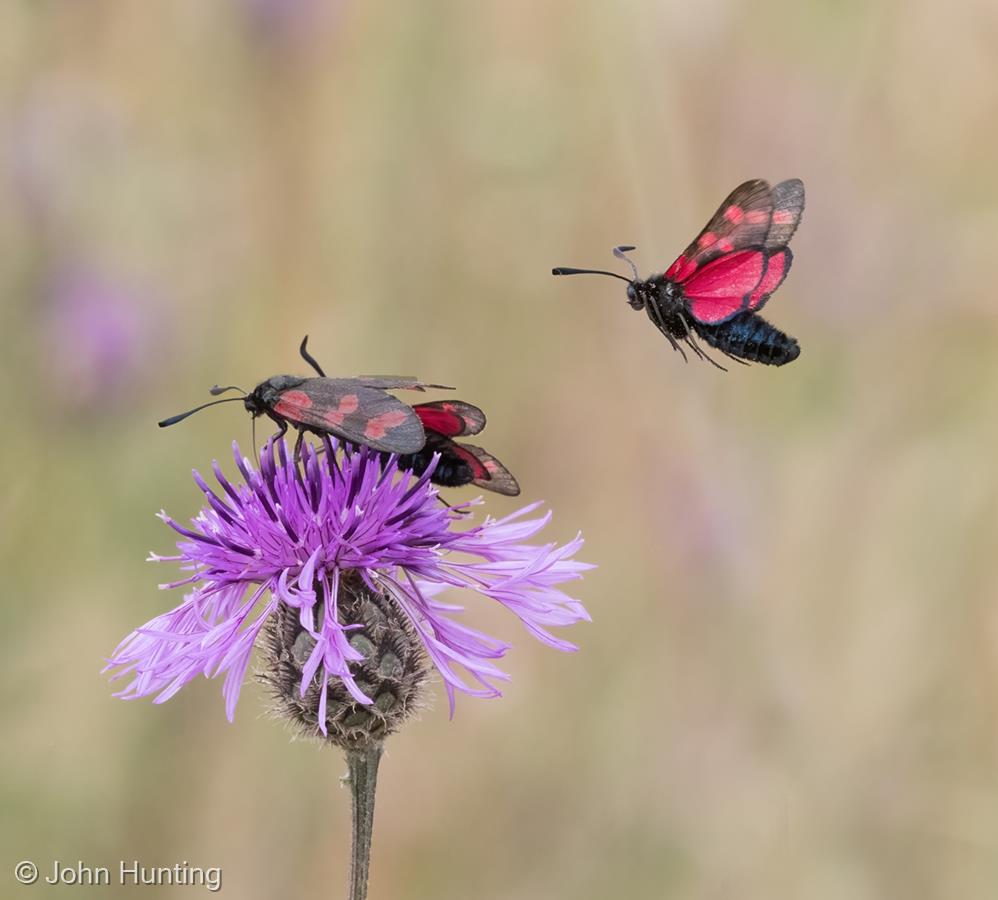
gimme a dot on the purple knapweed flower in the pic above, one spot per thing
(294, 541)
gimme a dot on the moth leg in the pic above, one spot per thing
(733, 358)
(696, 348)
(298, 443)
(660, 325)
(740, 362)
(460, 512)
(676, 346)
(282, 425)
(691, 342)
(704, 355)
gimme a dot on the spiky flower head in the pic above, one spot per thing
(333, 564)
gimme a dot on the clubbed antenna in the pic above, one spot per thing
(181, 416)
(621, 253)
(618, 252)
(215, 390)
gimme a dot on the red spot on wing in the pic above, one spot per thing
(297, 399)
(291, 405)
(471, 423)
(477, 466)
(673, 271)
(378, 426)
(682, 269)
(497, 478)
(348, 404)
(788, 205)
(441, 420)
(706, 239)
(734, 214)
(757, 216)
(725, 245)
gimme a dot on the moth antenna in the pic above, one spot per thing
(563, 270)
(181, 416)
(305, 355)
(215, 390)
(621, 253)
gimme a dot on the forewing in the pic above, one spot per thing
(450, 418)
(724, 287)
(741, 221)
(788, 204)
(490, 474)
(777, 266)
(398, 383)
(354, 411)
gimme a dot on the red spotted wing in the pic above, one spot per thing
(741, 256)
(350, 409)
(460, 463)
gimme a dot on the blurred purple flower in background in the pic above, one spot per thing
(98, 336)
(283, 20)
(300, 538)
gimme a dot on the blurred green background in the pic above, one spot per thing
(790, 689)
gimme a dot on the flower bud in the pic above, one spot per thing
(393, 672)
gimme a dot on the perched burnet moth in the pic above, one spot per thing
(459, 464)
(716, 287)
(357, 410)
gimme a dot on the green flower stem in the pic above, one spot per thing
(363, 779)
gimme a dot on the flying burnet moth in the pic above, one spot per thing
(357, 410)
(716, 287)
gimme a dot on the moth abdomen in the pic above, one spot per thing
(750, 337)
(448, 473)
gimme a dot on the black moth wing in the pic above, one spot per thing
(461, 464)
(352, 410)
(741, 221)
(788, 205)
(399, 383)
(498, 478)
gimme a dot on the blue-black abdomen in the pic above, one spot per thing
(750, 337)
(451, 471)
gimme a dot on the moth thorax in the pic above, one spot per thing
(393, 673)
